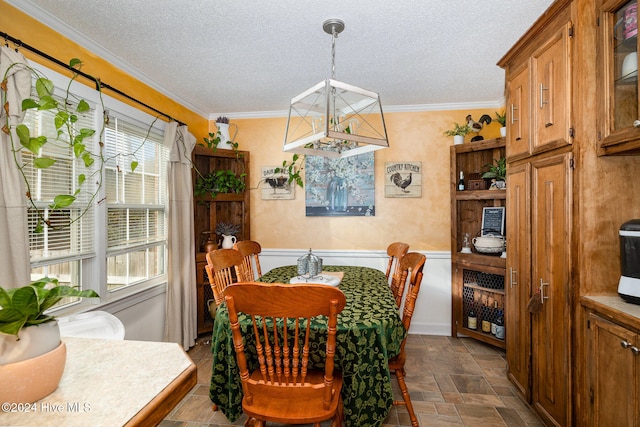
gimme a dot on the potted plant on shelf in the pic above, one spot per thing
(502, 119)
(225, 140)
(220, 138)
(458, 132)
(31, 353)
(221, 181)
(228, 231)
(497, 173)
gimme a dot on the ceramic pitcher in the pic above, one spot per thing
(228, 241)
(225, 137)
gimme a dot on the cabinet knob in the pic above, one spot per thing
(625, 344)
(636, 124)
(635, 350)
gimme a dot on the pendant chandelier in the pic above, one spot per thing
(335, 119)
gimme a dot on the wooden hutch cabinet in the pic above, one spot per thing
(209, 211)
(572, 180)
(539, 188)
(477, 279)
(619, 127)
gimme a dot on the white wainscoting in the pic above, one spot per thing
(432, 314)
(143, 314)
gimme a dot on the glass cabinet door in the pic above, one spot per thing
(618, 62)
(625, 65)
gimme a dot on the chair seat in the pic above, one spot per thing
(305, 409)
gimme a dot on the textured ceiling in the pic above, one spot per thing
(248, 58)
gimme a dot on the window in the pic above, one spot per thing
(136, 182)
(61, 249)
(125, 224)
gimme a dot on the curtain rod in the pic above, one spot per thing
(99, 85)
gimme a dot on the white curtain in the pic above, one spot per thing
(181, 312)
(14, 238)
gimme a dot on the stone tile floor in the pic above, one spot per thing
(452, 381)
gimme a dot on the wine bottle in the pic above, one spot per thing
(500, 326)
(486, 326)
(472, 319)
(494, 321)
(461, 182)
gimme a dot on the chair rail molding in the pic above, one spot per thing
(433, 308)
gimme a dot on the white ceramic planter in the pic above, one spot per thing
(225, 138)
(458, 139)
(503, 132)
(34, 341)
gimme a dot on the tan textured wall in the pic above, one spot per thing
(422, 222)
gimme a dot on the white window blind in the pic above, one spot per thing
(59, 241)
(136, 202)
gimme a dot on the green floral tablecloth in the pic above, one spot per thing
(369, 333)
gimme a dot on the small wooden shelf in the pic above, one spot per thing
(482, 336)
(482, 288)
(221, 197)
(481, 195)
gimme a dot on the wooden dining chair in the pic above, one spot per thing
(395, 251)
(224, 267)
(415, 261)
(286, 388)
(399, 279)
(250, 250)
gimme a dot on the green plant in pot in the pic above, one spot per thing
(221, 181)
(502, 119)
(497, 173)
(228, 233)
(31, 353)
(458, 132)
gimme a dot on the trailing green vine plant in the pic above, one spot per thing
(220, 181)
(66, 111)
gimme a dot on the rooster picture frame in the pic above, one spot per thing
(403, 179)
(275, 186)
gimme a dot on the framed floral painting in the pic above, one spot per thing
(340, 187)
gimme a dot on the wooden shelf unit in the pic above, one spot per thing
(466, 217)
(208, 211)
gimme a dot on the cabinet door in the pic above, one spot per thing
(618, 88)
(518, 286)
(613, 367)
(552, 92)
(550, 249)
(518, 120)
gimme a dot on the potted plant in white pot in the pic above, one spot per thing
(228, 231)
(502, 119)
(226, 140)
(458, 132)
(497, 173)
(32, 356)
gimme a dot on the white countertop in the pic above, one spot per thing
(617, 303)
(105, 383)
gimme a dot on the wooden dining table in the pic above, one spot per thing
(369, 332)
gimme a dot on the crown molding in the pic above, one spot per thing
(386, 109)
(29, 8)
